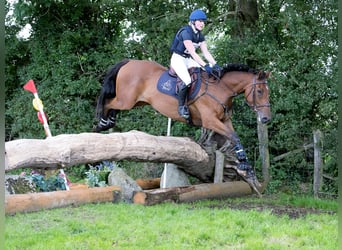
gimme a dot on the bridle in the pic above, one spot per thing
(254, 106)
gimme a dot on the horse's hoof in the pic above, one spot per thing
(100, 128)
(96, 129)
(247, 173)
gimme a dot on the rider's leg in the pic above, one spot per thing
(179, 64)
(183, 109)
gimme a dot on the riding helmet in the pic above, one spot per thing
(197, 15)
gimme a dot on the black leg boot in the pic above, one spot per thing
(182, 108)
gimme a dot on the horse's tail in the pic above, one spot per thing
(109, 87)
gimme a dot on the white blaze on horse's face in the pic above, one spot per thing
(257, 97)
(262, 104)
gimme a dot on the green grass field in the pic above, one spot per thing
(200, 225)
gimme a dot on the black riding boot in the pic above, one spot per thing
(183, 110)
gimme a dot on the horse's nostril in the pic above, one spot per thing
(265, 120)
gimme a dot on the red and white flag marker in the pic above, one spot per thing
(38, 105)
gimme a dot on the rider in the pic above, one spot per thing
(184, 56)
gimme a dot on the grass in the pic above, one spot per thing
(199, 225)
(304, 201)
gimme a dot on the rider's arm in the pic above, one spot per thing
(206, 53)
(192, 51)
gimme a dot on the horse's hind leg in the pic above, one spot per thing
(107, 121)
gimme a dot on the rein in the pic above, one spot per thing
(206, 92)
(254, 106)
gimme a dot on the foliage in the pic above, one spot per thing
(73, 43)
(198, 225)
(97, 176)
(52, 183)
(76, 173)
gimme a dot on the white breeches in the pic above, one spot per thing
(181, 65)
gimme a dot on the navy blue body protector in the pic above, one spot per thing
(185, 33)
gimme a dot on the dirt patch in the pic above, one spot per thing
(292, 212)
(280, 210)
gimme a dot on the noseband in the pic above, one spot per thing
(254, 106)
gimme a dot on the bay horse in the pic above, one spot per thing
(132, 83)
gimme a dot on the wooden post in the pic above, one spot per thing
(219, 165)
(318, 164)
(263, 150)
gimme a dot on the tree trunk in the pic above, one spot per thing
(71, 149)
(247, 11)
(318, 164)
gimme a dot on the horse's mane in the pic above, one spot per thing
(237, 67)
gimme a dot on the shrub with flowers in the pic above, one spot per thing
(97, 176)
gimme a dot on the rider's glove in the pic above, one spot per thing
(217, 68)
(208, 69)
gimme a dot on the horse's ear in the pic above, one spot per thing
(268, 74)
(261, 75)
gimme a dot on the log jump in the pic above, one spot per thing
(71, 149)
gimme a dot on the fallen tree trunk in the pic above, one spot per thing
(38, 201)
(193, 193)
(71, 149)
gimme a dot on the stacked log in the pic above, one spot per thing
(33, 202)
(147, 184)
(193, 193)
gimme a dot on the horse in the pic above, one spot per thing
(131, 83)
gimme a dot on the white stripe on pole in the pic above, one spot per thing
(168, 127)
(165, 165)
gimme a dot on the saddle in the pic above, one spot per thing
(169, 82)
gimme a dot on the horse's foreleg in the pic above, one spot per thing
(234, 140)
(244, 168)
(206, 137)
(238, 148)
(226, 129)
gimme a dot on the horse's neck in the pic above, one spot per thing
(237, 81)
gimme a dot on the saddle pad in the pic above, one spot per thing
(168, 85)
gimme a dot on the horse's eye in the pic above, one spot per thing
(260, 92)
